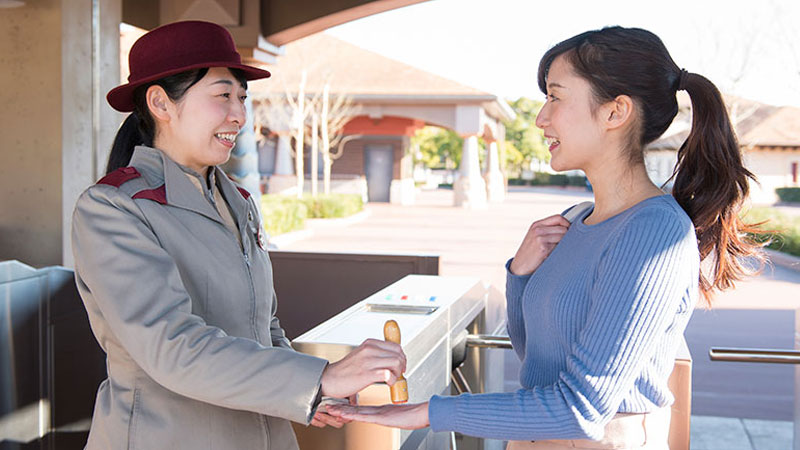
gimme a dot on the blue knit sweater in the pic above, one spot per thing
(596, 326)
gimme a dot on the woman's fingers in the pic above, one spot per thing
(555, 219)
(409, 417)
(373, 361)
(538, 243)
(375, 347)
(385, 376)
(322, 419)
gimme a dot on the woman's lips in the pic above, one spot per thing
(553, 143)
(226, 139)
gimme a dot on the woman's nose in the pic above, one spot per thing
(542, 119)
(238, 114)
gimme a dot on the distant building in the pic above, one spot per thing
(393, 100)
(769, 137)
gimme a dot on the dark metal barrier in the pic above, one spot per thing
(313, 287)
(50, 363)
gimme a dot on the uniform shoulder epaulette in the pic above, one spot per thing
(125, 174)
(120, 176)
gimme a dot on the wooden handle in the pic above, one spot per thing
(399, 390)
(391, 332)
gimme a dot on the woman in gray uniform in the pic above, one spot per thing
(171, 263)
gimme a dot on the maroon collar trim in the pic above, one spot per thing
(120, 176)
(158, 194)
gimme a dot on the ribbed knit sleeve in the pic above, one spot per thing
(515, 285)
(637, 288)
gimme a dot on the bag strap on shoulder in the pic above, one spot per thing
(576, 210)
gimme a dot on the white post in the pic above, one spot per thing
(298, 122)
(326, 150)
(314, 153)
(495, 185)
(469, 188)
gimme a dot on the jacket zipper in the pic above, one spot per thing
(247, 263)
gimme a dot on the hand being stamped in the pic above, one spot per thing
(322, 418)
(407, 417)
(539, 242)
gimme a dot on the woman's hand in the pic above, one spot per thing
(407, 417)
(539, 242)
(372, 362)
(322, 418)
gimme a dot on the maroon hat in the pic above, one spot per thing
(174, 48)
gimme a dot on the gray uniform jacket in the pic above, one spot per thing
(196, 357)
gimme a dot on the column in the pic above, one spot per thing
(60, 59)
(242, 166)
(495, 185)
(283, 181)
(470, 189)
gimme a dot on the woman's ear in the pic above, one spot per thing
(618, 112)
(158, 103)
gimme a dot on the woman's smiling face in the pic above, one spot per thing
(567, 118)
(205, 122)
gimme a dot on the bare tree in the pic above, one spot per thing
(288, 110)
(335, 111)
(318, 119)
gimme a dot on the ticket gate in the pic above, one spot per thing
(432, 312)
(50, 363)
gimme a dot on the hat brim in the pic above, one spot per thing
(121, 97)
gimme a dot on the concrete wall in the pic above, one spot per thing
(59, 58)
(30, 160)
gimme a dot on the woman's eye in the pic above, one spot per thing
(243, 98)
(226, 95)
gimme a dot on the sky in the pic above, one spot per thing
(748, 48)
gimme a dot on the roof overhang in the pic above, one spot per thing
(259, 27)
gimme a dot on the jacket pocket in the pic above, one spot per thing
(133, 421)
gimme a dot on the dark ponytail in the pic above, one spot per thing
(128, 136)
(139, 128)
(711, 183)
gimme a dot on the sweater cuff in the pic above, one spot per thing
(515, 284)
(442, 413)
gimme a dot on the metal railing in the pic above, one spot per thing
(488, 341)
(754, 355)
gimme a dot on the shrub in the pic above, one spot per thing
(283, 214)
(786, 230)
(557, 179)
(789, 194)
(333, 205)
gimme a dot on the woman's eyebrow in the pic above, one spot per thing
(223, 81)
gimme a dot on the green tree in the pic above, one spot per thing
(439, 148)
(524, 141)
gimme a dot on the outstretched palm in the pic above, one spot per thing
(409, 417)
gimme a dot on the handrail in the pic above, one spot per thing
(754, 355)
(488, 341)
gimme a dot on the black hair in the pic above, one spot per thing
(710, 180)
(139, 127)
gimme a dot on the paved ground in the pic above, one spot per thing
(735, 406)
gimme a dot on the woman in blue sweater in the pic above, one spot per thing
(596, 309)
